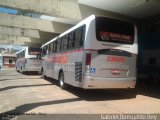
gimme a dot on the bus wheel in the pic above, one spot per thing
(42, 73)
(62, 84)
(17, 69)
(21, 70)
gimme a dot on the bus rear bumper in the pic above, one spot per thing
(91, 82)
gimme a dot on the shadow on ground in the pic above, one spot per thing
(81, 95)
(113, 94)
(98, 95)
(26, 74)
(17, 79)
(27, 107)
(85, 95)
(13, 87)
(31, 73)
(148, 90)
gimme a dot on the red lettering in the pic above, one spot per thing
(115, 36)
(115, 59)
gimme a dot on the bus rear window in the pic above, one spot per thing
(113, 30)
(34, 51)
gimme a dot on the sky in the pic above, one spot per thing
(7, 10)
(16, 47)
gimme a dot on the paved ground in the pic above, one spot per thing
(31, 93)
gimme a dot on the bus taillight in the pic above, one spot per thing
(88, 59)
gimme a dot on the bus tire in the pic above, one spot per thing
(17, 69)
(45, 77)
(42, 73)
(22, 70)
(62, 84)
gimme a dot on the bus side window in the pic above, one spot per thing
(55, 46)
(51, 48)
(64, 46)
(43, 51)
(23, 54)
(78, 37)
(58, 45)
(83, 35)
(71, 40)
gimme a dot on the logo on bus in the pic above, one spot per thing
(116, 59)
(63, 59)
(106, 36)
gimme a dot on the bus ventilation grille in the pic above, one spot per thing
(78, 71)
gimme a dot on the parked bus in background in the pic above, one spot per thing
(97, 53)
(27, 60)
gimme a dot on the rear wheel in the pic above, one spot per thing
(17, 69)
(62, 84)
(43, 75)
(21, 70)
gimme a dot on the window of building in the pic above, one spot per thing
(10, 61)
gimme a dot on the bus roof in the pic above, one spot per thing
(83, 22)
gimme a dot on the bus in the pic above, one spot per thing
(97, 53)
(27, 59)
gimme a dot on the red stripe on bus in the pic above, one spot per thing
(61, 58)
(91, 49)
(72, 51)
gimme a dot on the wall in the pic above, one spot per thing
(9, 62)
(1, 62)
(149, 57)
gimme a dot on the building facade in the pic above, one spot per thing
(7, 61)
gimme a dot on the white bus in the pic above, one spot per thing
(27, 60)
(97, 53)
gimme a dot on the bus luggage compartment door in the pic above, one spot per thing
(112, 63)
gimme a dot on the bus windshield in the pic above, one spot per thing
(113, 30)
(34, 51)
